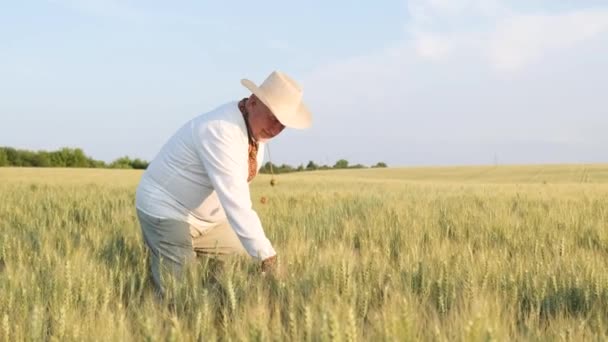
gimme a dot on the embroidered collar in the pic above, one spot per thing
(243, 110)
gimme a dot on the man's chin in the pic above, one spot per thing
(264, 138)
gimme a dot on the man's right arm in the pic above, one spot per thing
(225, 159)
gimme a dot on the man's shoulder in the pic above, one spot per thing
(227, 117)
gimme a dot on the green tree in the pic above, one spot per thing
(380, 164)
(285, 168)
(121, 163)
(28, 158)
(3, 157)
(341, 164)
(267, 167)
(98, 164)
(311, 166)
(139, 164)
(68, 157)
(79, 159)
(57, 159)
(41, 159)
(64, 157)
(13, 156)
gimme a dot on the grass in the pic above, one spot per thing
(469, 253)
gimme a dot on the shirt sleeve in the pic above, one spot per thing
(224, 156)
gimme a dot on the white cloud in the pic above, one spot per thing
(447, 88)
(432, 46)
(523, 39)
(446, 8)
(487, 29)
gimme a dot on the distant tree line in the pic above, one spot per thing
(312, 166)
(75, 157)
(64, 157)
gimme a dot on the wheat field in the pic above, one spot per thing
(435, 254)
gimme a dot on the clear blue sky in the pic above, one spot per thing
(420, 82)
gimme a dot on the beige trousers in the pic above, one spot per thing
(174, 243)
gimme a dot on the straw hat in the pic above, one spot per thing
(283, 96)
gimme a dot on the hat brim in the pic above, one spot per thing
(300, 119)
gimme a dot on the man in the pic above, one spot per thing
(194, 197)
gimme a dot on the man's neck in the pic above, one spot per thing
(243, 108)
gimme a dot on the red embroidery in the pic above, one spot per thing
(253, 145)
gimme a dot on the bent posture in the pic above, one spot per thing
(194, 197)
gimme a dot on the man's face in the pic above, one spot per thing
(264, 124)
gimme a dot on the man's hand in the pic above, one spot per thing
(269, 265)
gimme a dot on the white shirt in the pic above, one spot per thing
(200, 177)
